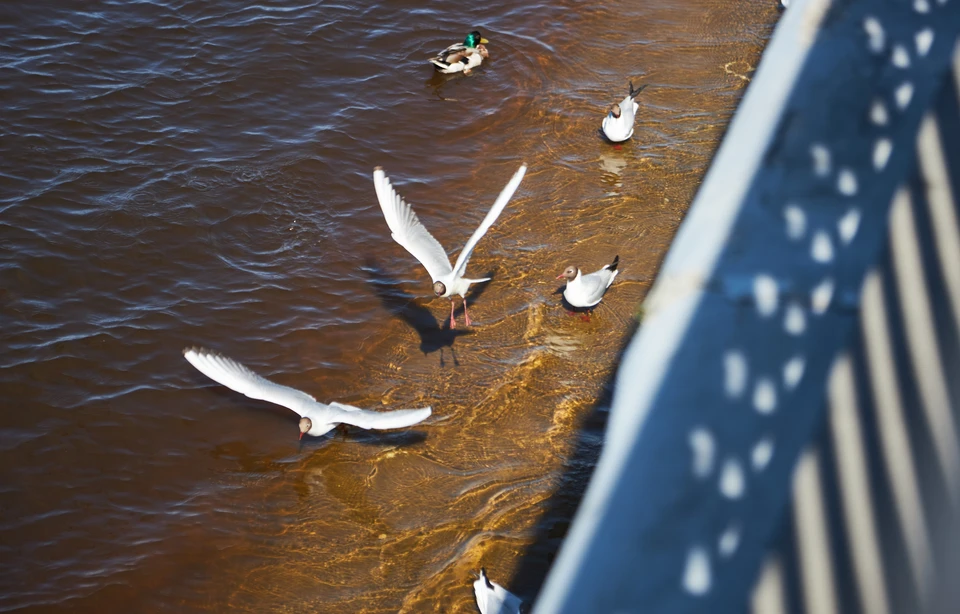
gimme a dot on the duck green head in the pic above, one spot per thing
(473, 39)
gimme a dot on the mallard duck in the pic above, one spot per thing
(618, 124)
(462, 57)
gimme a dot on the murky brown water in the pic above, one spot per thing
(199, 173)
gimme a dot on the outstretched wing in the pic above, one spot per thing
(407, 230)
(237, 377)
(398, 418)
(505, 195)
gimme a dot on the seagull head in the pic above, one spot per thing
(439, 289)
(305, 425)
(473, 39)
(615, 110)
(569, 273)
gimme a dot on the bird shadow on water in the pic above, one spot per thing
(433, 336)
(558, 514)
(583, 312)
(396, 438)
(356, 435)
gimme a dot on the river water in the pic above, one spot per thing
(199, 173)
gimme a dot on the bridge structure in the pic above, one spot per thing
(783, 435)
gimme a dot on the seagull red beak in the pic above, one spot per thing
(560, 276)
(301, 436)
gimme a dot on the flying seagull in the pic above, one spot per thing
(315, 418)
(407, 230)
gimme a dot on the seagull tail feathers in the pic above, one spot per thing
(634, 92)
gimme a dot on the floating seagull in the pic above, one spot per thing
(315, 418)
(407, 230)
(587, 290)
(493, 598)
(462, 57)
(618, 124)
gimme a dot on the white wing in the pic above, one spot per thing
(496, 600)
(593, 287)
(380, 420)
(505, 195)
(620, 128)
(407, 230)
(237, 377)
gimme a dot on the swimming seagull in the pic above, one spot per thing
(618, 124)
(407, 230)
(315, 418)
(587, 290)
(493, 598)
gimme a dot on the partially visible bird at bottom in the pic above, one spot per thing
(493, 598)
(315, 418)
(585, 291)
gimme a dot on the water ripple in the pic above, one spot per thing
(199, 173)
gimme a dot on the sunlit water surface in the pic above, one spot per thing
(180, 173)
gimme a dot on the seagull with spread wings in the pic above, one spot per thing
(315, 418)
(407, 230)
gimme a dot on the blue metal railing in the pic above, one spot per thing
(783, 435)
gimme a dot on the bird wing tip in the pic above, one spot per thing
(196, 350)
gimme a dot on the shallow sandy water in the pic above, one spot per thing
(175, 175)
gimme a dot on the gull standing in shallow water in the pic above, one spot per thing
(493, 598)
(587, 290)
(315, 418)
(407, 230)
(618, 124)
